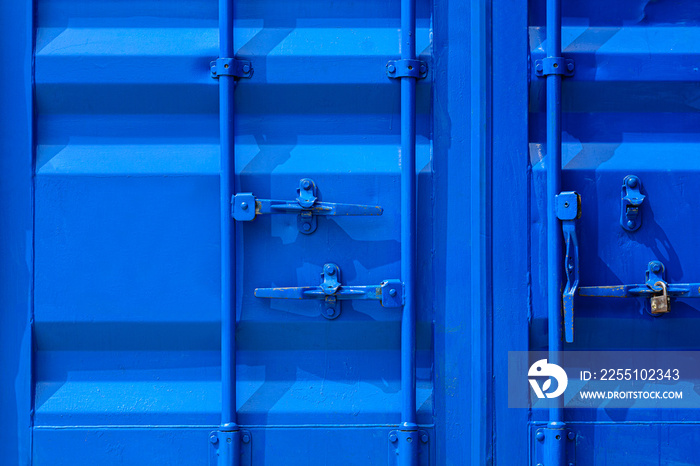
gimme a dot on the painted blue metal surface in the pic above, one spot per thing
(131, 331)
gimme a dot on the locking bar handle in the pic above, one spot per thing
(245, 207)
(568, 208)
(653, 287)
(331, 291)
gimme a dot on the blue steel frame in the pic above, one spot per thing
(512, 279)
(17, 226)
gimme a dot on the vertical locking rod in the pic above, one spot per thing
(408, 455)
(227, 456)
(554, 450)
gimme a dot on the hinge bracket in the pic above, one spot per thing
(227, 444)
(231, 67)
(552, 445)
(407, 69)
(554, 65)
(403, 442)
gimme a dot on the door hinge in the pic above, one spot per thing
(552, 445)
(404, 441)
(245, 206)
(224, 445)
(331, 292)
(231, 67)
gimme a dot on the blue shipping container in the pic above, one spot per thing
(304, 232)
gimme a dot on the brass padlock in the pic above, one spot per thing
(660, 304)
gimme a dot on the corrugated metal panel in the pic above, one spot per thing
(126, 317)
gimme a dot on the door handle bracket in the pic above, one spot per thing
(654, 287)
(331, 292)
(245, 207)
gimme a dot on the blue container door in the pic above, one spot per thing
(629, 148)
(127, 247)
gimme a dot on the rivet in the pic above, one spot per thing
(409, 439)
(244, 205)
(571, 435)
(392, 437)
(632, 182)
(538, 67)
(246, 68)
(630, 223)
(246, 438)
(540, 435)
(656, 268)
(423, 69)
(392, 292)
(213, 439)
(306, 184)
(228, 440)
(570, 66)
(330, 312)
(391, 68)
(424, 438)
(306, 226)
(330, 270)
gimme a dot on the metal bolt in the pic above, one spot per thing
(244, 205)
(540, 435)
(656, 268)
(632, 182)
(424, 438)
(392, 292)
(306, 226)
(539, 68)
(392, 437)
(630, 223)
(246, 68)
(391, 68)
(423, 69)
(330, 270)
(213, 439)
(571, 435)
(246, 438)
(306, 184)
(330, 312)
(570, 66)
